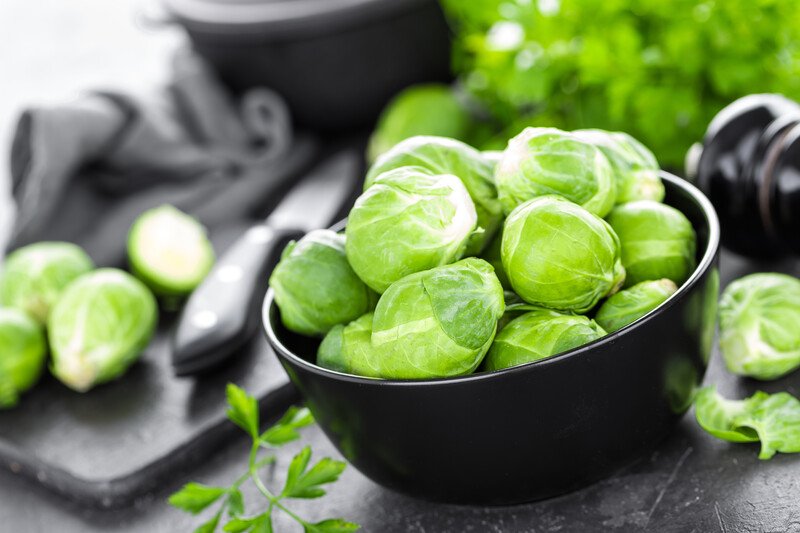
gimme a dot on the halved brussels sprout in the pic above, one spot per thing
(439, 155)
(558, 255)
(537, 335)
(545, 161)
(315, 287)
(628, 305)
(349, 349)
(99, 327)
(430, 109)
(22, 354)
(169, 251)
(658, 241)
(437, 323)
(759, 325)
(35, 275)
(635, 167)
(408, 221)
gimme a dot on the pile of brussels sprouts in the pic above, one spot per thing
(455, 260)
(94, 323)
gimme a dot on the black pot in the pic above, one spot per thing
(533, 431)
(336, 62)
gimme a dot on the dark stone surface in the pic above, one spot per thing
(691, 482)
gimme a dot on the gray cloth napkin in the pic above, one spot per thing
(83, 171)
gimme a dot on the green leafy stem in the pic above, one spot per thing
(302, 481)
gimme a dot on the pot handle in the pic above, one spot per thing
(153, 15)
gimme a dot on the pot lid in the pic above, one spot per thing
(280, 18)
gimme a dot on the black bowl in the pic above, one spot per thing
(533, 431)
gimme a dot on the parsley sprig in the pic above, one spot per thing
(303, 480)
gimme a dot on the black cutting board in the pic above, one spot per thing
(116, 442)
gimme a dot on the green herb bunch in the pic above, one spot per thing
(302, 480)
(657, 70)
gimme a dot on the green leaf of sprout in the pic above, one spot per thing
(774, 419)
(194, 497)
(243, 409)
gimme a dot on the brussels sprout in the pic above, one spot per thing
(35, 275)
(657, 241)
(537, 335)
(759, 318)
(408, 221)
(99, 327)
(169, 251)
(438, 155)
(558, 255)
(437, 323)
(635, 167)
(22, 353)
(544, 161)
(430, 109)
(315, 287)
(628, 305)
(348, 349)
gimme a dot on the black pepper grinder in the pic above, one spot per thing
(749, 167)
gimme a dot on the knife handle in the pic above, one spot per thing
(221, 314)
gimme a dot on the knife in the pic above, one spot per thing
(222, 313)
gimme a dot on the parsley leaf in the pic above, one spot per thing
(243, 409)
(332, 525)
(285, 430)
(301, 481)
(194, 497)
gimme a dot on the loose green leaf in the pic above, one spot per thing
(332, 525)
(716, 414)
(774, 419)
(211, 525)
(194, 497)
(235, 503)
(243, 410)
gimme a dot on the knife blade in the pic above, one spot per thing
(222, 313)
